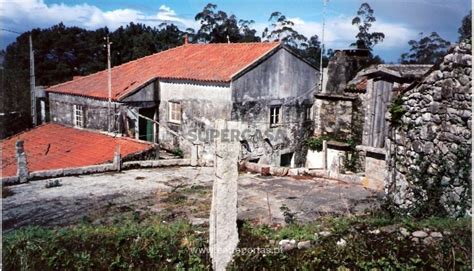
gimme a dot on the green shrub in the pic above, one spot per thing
(396, 111)
(178, 152)
(154, 246)
(315, 143)
(180, 246)
(352, 162)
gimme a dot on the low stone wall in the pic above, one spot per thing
(156, 163)
(45, 174)
(266, 170)
(429, 147)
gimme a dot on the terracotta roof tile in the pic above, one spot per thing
(217, 62)
(68, 147)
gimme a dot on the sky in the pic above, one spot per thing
(399, 20)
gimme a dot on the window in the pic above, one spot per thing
(308, 113)
(78, 116)
(174, 112)
(275, 112)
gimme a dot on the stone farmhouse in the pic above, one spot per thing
(163, 97)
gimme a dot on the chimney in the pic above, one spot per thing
(342, 67)
(186, 41)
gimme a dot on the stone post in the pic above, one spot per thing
(117, 159)
(325, 154)
(194, 155)
(223, 235)
(21, 164)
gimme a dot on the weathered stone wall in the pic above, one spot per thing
(429, 150)
(284, 80)
(95, 110)
(201, 105)
(334, 116)
(123, 115)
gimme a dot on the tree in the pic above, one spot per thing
(425, 51)
(138, 40)
(247, 33)
(218, 27)
(312, 53)
(281, 29)
(363, 21)
(14, 102)
(465, 30)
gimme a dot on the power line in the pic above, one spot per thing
(9, 30)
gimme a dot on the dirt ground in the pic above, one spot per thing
(174, 193)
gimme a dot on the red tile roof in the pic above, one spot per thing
(217, 62)
(53, 146)
(357, 85)
(362, 85)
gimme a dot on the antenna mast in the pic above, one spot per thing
(32, 82)
(109, 83)
(322, 48)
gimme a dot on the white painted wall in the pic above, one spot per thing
(315, 159)
(334, 162)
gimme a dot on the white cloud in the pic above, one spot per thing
(22, 15)
(340, 33)
(166, 14)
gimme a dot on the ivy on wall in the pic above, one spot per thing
(396, 111)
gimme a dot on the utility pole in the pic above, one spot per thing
(322, 48)
(109, 121)
(32, 83)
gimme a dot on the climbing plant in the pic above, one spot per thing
(352, 160)
(396, 111)
(315, 143)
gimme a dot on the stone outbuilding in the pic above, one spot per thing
(352, 108)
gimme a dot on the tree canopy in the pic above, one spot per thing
(465, 30)
(427, 50)
(218, 27)
(281, 28)
(364, 19)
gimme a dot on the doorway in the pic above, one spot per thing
(146, 127)
(286, 159)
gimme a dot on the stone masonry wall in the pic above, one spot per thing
(335, 118)
(429, 166)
